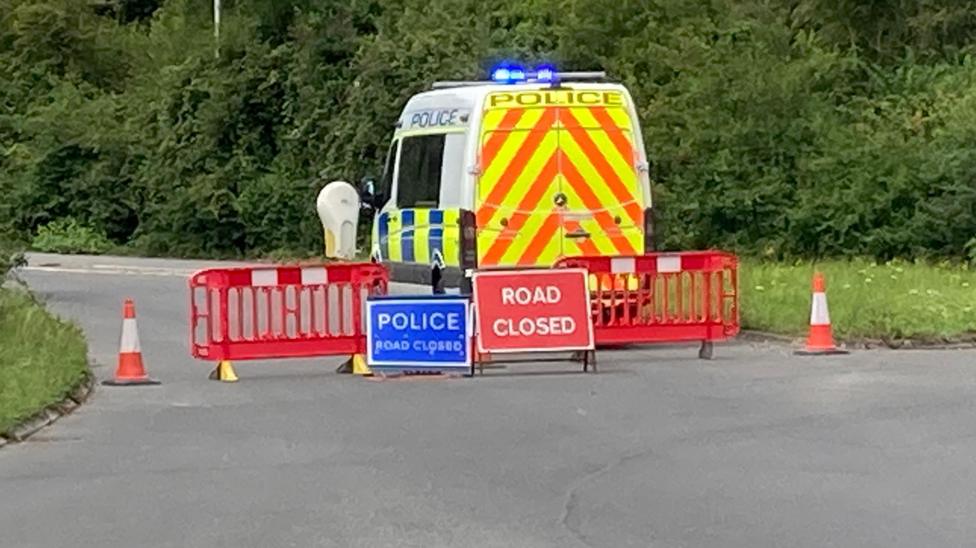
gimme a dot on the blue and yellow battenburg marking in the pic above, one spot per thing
(417, 236)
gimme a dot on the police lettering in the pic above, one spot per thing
(557, 98)
(435, 118)
(402, 321)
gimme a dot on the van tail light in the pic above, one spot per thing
(468, 233)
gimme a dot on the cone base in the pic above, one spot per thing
(821, 352)
(130, 382)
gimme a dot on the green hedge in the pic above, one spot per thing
(783, 128)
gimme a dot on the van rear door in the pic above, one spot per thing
(558, 178)
(599, 183)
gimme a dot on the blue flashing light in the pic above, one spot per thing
(508, 73)
(545, 73)
(502, 75)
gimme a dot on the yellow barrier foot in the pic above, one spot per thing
(359, 366)
(224, 372)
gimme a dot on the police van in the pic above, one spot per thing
(518, 171)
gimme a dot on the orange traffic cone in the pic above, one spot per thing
(821, 339)
(130, 369)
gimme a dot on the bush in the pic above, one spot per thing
(11, 256)
(810, 128)
(68, 236)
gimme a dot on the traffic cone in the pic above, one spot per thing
(224, 372)
(821, 339)
(130, 370)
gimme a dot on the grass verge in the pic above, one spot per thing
(41, 358)
(867, 300)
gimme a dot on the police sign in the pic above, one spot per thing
(425, 332)
(435, 118)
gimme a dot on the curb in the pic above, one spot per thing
(749, 335)
(50, 414)
(863, 344)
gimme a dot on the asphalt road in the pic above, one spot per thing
(756, 448)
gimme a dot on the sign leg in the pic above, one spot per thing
(706, 351)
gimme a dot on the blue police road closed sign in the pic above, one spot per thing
(429, 332)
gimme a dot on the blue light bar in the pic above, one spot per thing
(513, 74)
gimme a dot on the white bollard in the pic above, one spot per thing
(338, 208)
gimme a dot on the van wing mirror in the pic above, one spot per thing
(368, 193)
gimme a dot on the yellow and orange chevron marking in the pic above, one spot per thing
(557, 181)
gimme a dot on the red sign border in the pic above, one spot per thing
(538, 272)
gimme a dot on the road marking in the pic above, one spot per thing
(113, 271)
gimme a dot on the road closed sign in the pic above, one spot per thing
(425, 332)
(533, 310)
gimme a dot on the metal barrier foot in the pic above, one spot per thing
(588, 359)
(345, 368)
(224, 372)
(706, 351)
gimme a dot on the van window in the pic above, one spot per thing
(419, 176)
(386, 183)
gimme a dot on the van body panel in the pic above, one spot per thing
(425, 236)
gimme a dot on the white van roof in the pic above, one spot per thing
(449, 107)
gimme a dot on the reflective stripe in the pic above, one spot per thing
(598, 159)
(435, 234)
(421, 236)
(130, 336)
(818, 312)
(526, 207)
(606, 221)
(394, 252)
(264, 278)
(499, 191)
(383, 235)
(667, 263)
(623, 265)
(406, 235)
(452, 238)
(425, 234)
(314, 275)
(583, 155)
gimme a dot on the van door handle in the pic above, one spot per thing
(580, 234)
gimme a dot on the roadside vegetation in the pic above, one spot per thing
(786, 131)
(42, 358)
(868, 300)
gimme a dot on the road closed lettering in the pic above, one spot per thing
(532, 311)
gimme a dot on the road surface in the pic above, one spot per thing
(756, 448)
